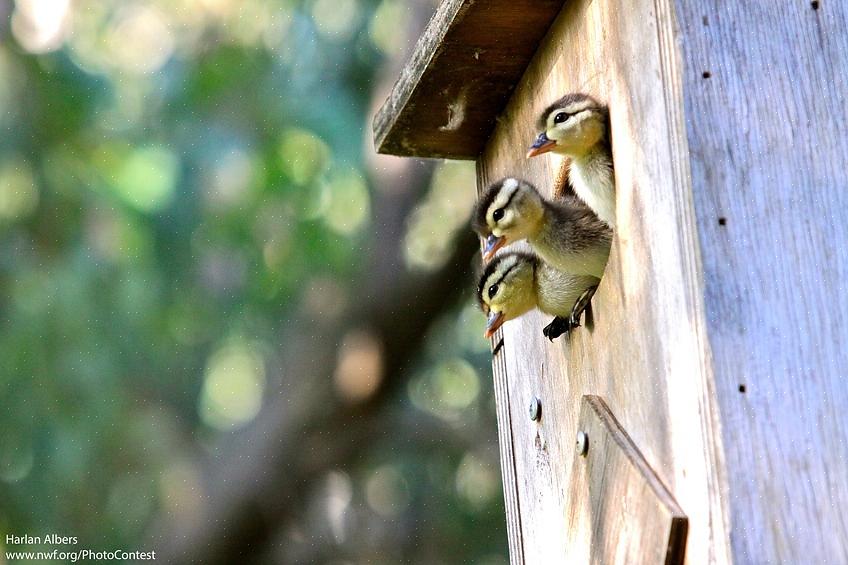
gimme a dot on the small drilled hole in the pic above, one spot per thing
(742, 389)
(722, 221)
(706, 74)
(814, 4)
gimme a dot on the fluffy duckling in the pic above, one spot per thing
(577, 126)
(564, 233)
(514, 283)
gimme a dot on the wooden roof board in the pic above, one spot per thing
(460, 77)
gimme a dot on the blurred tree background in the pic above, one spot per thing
(230, 331)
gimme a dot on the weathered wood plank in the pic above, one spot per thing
(505, 445)
(618, 509)
(648, 353)
(461, 75)
(767, 135)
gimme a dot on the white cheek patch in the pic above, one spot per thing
(578, 119)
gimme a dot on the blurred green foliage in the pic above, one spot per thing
(176, 177)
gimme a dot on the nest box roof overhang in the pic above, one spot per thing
(461, 75)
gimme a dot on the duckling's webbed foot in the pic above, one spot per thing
(583, 303)
(558, 326)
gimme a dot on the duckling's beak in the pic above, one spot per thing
(493, 243)
(496, 320)
(541, 145)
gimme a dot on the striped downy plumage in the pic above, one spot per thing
(577, 126)
(514, 283)
(565, 233)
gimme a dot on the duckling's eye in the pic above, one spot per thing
(498, 214)
(493, 290)
(561, 117)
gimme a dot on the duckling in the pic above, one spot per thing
(516, 282)
(577, 126)
(564, 233)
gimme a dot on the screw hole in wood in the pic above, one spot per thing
(814, 4)
(742, 389)
(706, 74)
(722, 221)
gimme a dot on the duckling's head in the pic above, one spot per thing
(570, 126)
(506, 289)
(508, 210)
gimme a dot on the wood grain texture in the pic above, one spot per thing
(767, 135)
(505, 446)
(618, 508)
(648, 353)
(460, 76)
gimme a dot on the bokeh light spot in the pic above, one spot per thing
(456, 383)
(444, 210)
(359, 370)
(18, 191)
(446, 390)
(139, 40)
(303, 155)
(233, 386)
(476, 482)
(388, 27)
(339, 495)
(349, 206)
(387, 492)
(40, 26)
(147, 178)
(232, 178)
(336, 18)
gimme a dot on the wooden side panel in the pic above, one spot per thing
(766, 113)
(461, 74)
(647, 354)
(506, 445)
(618, 508)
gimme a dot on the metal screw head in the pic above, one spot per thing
(535, 409)
(582, 443)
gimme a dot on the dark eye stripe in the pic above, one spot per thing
(572, 114)
(503, 276)
(511, 196)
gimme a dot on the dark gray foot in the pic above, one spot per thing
(557, 327)
(583, 303)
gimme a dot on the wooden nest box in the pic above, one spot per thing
(712, 389)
